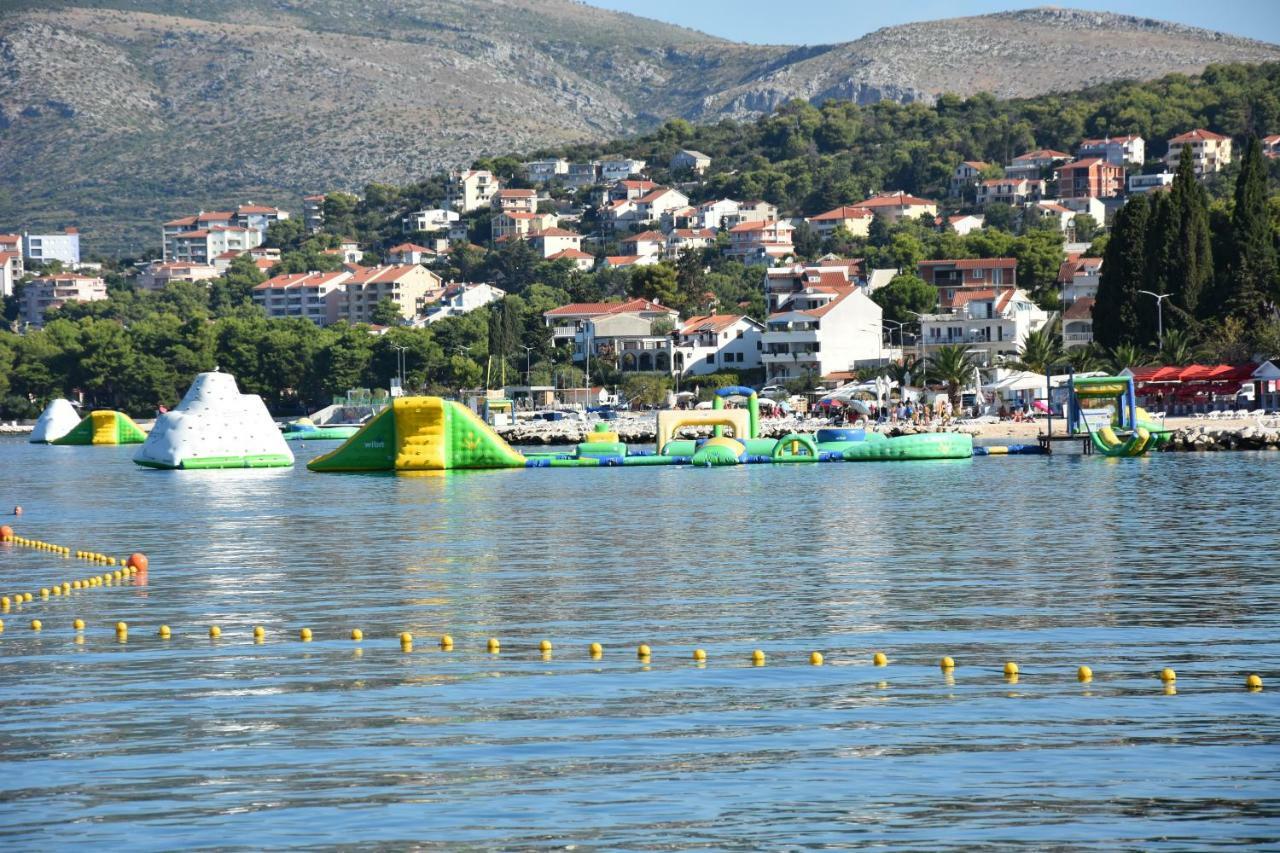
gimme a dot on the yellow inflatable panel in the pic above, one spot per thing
(420, 426)
(104, 427)
(670, 421)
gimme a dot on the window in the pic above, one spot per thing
(711, 358)
(740, 333)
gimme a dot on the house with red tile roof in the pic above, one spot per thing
(158, 275)
(1011, 191)
(647, 243)
(1078, 278)
(822, 329)
(315, 296)
(991, 321)
(1077, 323)
(410, 253)
(761, 242)
(855, 220)
(953, 276)
(966, 176)
(713, 342)
(577, 257)
(472, 189)
(680, 239)
(53, 291)
(411, 287)
(1210, 151)
(524, 201)
(1090, 178)
(893, 206)
(1033, 164)
(554, 240)
(566, 320)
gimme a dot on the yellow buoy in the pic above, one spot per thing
(879, 659)
(1084, 674)
(947, 663)
(643, 651)
(26, 596)
(122, 626)
(1010, 668)
(699, 655)
(757, 658)
(1254, 681)
(36, 624)
(78, 624)
(305, 635)
(214, 632)
(816, 658)
(1168, 674)
(4, 602)
(596, 650)
(165, 632)
(494, 646)
(1, 626)
(544, 646)
(406, 637)
(44, 592)
(259, 633)
(357, 634)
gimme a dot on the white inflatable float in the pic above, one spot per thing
(57, 419)
(215, 426)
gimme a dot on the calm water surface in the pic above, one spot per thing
(1125, 565)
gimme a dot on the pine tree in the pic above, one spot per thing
(1251, 286)
(1115, 313)
(1190, 256)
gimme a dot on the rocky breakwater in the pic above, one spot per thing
(1206, 437)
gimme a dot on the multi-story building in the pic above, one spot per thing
(855, 220)
(1078, 278)
(460, 299)
(185, 224)
(761, 242)
(1209, 151)
(313, 212)
(966, 176)
(577, 257)
(513, 224)
(658, 203)
(694, 161)
(681, 239)
(472, 189)
(1091, 178)
(1010, 191)
(410, 253)
(1116, 150)
(42, 248)
(712, 214)
(991, 322)
(1139, 184)
(549, 242)
(952, 277)
(893, 206)
(567, 321)
(53, 291)
(203, 245)
(618, 168)
(520, 201)
(1077, 323)
(646, 243)
(752, 210)
(781, 283)
(410, 286)
(1034, 165)
(822, 330)
(315, 296)
(706, 344)
(430, 220)
(629, 190)
(546, 171)
(259, 216)
(11, 266)
(630, 340)
(158, 275)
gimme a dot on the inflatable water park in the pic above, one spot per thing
(57, 419)
(215, 426)
(434, 434)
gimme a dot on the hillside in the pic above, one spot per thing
(114, 115)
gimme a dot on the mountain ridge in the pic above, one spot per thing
(117, 114)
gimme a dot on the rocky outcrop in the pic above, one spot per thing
(1209, 438)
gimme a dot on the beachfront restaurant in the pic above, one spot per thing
(1197, 388)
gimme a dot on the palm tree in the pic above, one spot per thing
(1178, 348)
(954, 367)
(1086, 359)
(1127, 355)
(1040, 351)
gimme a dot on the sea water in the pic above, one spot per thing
(1127, 566)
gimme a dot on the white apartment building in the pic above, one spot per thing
(53, 291)
(545, 171)
(1116, 150)
(433, 219)
(992, 323)
(1010, 191)
(158, 275)
(203, 245)
(1139, 184)
(472, 189)
(712, 214)
(460, 299)
(714, 342)
(313, 213)
(821, 330)
(521, 201)
(11, 266)
(42, 248)
(618, 168)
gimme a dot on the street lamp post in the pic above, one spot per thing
(1160, 298)
(528, 350)
(400, 351)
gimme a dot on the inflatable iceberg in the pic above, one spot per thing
(215, 426)
(105, 426)
(57, 419)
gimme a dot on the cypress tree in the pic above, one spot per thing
(1251, 278)
(1190, 257)
(1162, 237)
(1115, 313)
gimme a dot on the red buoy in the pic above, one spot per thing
(6, 532)
(138, 560)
